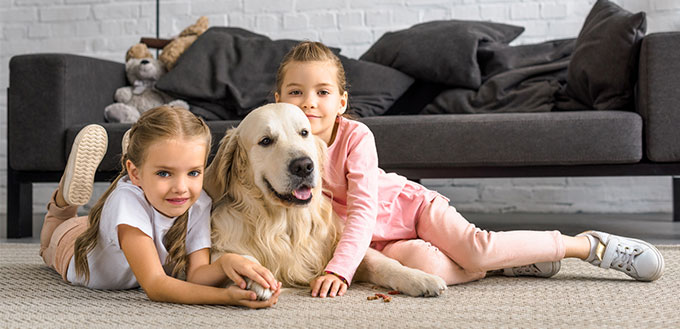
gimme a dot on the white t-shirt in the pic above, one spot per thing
(127, 205)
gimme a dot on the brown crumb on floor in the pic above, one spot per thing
(384, 297)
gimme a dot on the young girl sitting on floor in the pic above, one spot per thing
(410, 223)
(152, 224)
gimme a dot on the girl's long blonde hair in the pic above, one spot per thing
(153, 125)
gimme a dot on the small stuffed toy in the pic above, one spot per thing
(173, 50)
(142, 72)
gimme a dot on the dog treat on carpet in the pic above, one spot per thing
(384, 297)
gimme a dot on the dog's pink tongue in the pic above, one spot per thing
(302, 193)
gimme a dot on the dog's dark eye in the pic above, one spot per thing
(265, 141)
(304, 133)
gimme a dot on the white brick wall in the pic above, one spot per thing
(106, 28)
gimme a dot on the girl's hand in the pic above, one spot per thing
(328, 285)
(247, 298)
(235, 265)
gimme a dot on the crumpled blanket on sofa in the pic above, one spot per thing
(528, 78)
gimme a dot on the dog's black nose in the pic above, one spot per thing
(301, 167)
(145, 61)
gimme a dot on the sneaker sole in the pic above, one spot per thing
(125, 141)
(659, 257)
(87, 152)
(556, 266)
(556, 269)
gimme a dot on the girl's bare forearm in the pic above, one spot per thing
(169, 289)
(209, 275)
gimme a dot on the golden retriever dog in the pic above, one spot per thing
(268, 205)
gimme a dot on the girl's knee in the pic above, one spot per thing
(481, 247)
(420, 255)
(428, 258)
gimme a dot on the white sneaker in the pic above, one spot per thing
(639, 259)
(541, 270)
(87, 152)
(125, 141)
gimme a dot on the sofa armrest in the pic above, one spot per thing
(48, 93)
(658, 98)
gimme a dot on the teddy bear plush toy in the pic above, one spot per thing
(173, 50)
(142, 72)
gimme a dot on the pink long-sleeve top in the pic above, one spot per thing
(364, 197)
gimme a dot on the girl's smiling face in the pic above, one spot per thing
(313, 87)
(171, 175)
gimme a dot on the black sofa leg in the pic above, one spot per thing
(676, 198)
(19, 206)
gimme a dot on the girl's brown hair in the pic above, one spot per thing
(310, 51)
(158, 123)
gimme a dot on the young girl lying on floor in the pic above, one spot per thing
(152, 225)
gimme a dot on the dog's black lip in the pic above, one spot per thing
(287, 198)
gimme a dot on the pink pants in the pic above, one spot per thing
(457, 251)
(58, 236)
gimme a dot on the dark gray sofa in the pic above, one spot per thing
(52, 96)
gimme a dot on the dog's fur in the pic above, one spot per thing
(260, 181)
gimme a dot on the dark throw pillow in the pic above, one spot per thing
(373, 88)
(440, 51)
(603, 66)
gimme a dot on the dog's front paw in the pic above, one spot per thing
(260, 291)
(418, 283)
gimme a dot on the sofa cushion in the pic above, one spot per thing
(603, 66)
(440, 51)
(515, 139)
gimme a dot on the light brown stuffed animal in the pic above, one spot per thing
(178, 45)
(142, 71)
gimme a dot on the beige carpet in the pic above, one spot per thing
(581, 295)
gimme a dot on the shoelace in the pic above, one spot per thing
(625, 255)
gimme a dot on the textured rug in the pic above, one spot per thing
(581, 295)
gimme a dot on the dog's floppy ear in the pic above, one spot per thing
(321, 150)
(217, 175)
